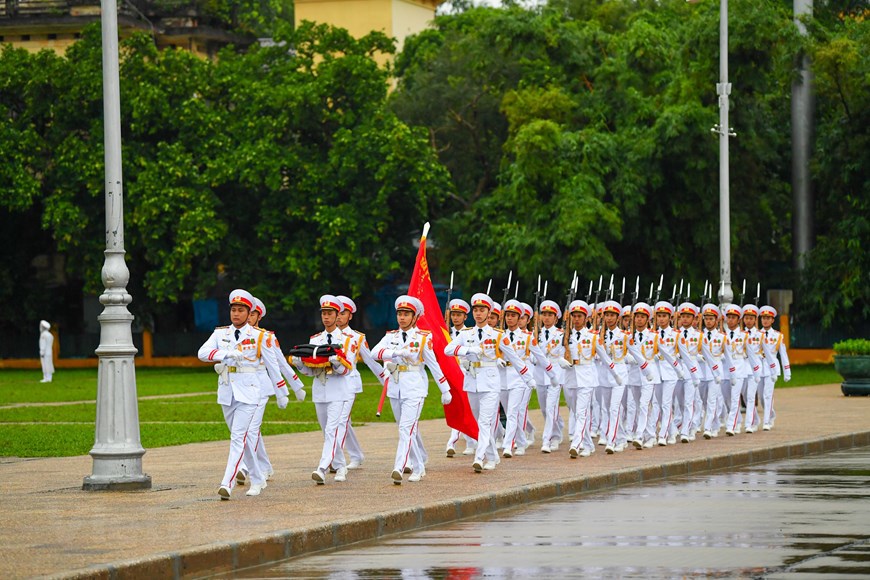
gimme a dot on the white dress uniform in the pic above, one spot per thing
(514, 386)
(239, 353)
(526, 434)
(584, 350)
(333, 396)
(773, 344)
(46, 351)
(746, 365)
(754, 345)
(690, 347)
(459, 305)
(644, 376)
(615, 341)
(482, 347)
(671, 370)
(550, 340)
(407, 353)
(717, 343)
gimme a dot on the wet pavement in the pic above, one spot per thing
(806, 517)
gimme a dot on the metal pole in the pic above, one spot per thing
(117, 450)
(801, 145)
(723, 89)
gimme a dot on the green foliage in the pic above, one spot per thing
(853, 347)
(272, 166)
(579, 131)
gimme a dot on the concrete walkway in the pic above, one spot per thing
(181, 528)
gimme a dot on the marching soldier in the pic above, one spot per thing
(267, 390)
(615, 341)
(239, 351)
(720, 368)
(332, 391)
(356, 349)
(690, 345)
(773, 344)
(671, 370)
(459, 310)
(754, 340)
(746, 363)
(644, 377)
(525, 436)
(550, 341)
(482, 346)
(406, 351)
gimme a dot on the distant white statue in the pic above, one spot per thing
(46, 351)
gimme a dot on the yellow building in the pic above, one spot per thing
(56, 24)
(396, 18)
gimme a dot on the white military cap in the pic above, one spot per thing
(260, 307)
(347, 303)
(405, 302)
(330, 302)
(242, 297)
(459, 305)
(513, 306)
(768, 310)
(750, 309)
(496, 308)
(733, 309)
(550, 306)
(664, 306)
(688, 308)
(579, 306)
(527, 309)
(611, 306)
(711, 309)
(643, 308)
(481, 299)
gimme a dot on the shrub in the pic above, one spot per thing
(852, 347)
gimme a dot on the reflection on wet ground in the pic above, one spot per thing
(807, 517)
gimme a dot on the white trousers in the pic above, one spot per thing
(259, 445)
(486, 424)
(662, 409)
(333, 418)
(612, 404)
(554, 422)
(582, 412)
(512, 401)
(700, 405)
(571, 402)
(527, 430)
(750, 390)
(714, 401)
(767, 400)
(239, 417)
(637, 413)
(407, 413)
(685, 396)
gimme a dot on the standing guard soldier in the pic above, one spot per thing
(406, 351)
(46, 351)
(239, 351)
(331, 391)
(773, 344)
(482, 346)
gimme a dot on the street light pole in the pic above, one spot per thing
(117, 450)
(723, 89)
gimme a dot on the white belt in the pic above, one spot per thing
(242, 369)
(482, 363)
(583, 361)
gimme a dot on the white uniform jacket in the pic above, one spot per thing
(586, 354)
(483, 374)
(331, 383)
(358, 350)
(644, 347)
(550, 343)
(406, 353)
(746, 363)
(668, 355)
(690, 347)
(774, 343)
(717, 344)
(238, 378)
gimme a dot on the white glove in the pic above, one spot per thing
(757, 381)
(334, 360)
(717, 379)
(554, 382)
(232, 355)
(475, 350)
(530, 383)
(219, 368)
(300, 394)
(564, 363)
(696, 381)
(681, 375)
(282, 401)
(446, 398)
(296, 361)
(501, 363)
(618, 380)
(733, 382)
(404, 354)
(787, 377)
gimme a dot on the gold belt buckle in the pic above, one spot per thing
(475, 364)
(507, 364)
(576, 361)
(231, 369)
(402, 368)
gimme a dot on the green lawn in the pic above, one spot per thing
(62, 430)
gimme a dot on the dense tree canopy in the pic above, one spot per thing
(578, 136)
(280, 168)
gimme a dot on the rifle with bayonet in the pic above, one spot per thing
(507, 289)
(447, 307)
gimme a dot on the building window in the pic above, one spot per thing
(25, 37)
(52, 36)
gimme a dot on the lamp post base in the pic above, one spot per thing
(92, 483)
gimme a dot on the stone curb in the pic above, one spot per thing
(227, 557)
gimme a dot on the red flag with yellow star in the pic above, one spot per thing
(458, 412)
